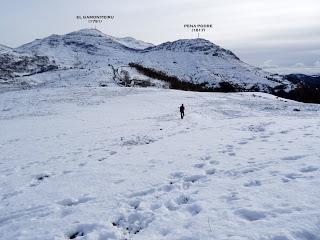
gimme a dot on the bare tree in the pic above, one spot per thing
(126, 77)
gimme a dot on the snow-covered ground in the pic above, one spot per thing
(118, 163)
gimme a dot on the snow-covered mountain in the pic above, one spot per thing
(103, 58)
(133, 43)
(14, 65)
(200, 61)
(4, 49)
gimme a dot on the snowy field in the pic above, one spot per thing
(119, 163)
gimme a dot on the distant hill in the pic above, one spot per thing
(312, 81)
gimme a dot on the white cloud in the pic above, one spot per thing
(317, 64)
(295, 68)
(268, 64)
(299, 65)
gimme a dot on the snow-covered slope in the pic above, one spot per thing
(200, 61)
(4, 49)
(118, 163)
(82, 48)
(190, 60)
(133, 43)
(14, 65)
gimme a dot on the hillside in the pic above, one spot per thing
(306, 80)
(14, 65)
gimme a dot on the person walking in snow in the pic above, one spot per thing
(182, 111)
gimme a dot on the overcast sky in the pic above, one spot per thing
(277, 34)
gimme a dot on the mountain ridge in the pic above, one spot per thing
(91, 58)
